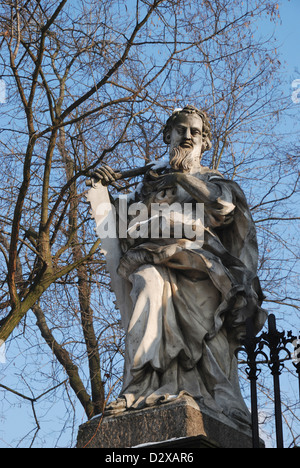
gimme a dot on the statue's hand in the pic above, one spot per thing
(105, 174)
(165, 181)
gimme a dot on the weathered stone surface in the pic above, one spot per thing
(184, 294)
(167, 425)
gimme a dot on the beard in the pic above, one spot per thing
(183, 159)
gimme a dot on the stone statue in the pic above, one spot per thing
(184, 302)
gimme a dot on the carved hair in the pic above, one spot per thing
(207, 136)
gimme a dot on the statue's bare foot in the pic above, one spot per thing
(115, 407)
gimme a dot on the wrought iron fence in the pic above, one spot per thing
(275, 348)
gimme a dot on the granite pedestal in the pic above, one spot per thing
(178, 424)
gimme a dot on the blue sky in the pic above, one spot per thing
(288, 35)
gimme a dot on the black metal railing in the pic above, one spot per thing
(274, 348)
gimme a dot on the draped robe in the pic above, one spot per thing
(189, 301)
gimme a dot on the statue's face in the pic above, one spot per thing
(187, 133)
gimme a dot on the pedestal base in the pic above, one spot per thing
(179, 424)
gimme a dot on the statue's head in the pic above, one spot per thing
(188, 128)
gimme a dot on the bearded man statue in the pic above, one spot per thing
(189, 298)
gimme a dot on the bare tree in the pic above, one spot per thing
(91, 82)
